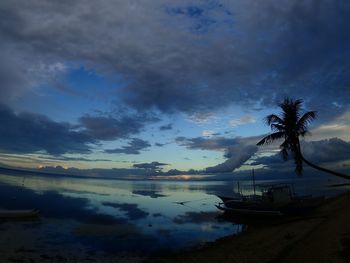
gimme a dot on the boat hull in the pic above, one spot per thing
(259, 207)
(277, 199)
(249, 211)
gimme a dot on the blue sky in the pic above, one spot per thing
(112, 84)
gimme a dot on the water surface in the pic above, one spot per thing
(113, 215)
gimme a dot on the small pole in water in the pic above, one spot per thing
(254, 182)
(238, 189)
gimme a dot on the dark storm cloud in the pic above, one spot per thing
(134, 147)
(158, 144)
(96, 172)
(236, 150)
(111, 128)
(69, 158)
(166, 127)
(151, 166)
(215, 143)
(185, 57)
(201, 143)
(330, 150)
(275, 159)
(323, 151)
(28, 133)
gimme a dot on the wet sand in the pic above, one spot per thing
(323, 236)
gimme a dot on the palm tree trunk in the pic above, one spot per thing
(324, 169)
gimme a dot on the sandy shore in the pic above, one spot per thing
(323, 236)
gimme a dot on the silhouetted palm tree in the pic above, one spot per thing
(289, 126)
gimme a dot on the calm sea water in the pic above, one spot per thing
(116, 215)
(111, 215)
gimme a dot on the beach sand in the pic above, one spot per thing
(323, 236)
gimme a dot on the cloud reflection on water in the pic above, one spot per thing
(109, 215)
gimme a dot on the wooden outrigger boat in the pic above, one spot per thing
(275, 200)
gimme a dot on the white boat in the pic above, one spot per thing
(28, 213)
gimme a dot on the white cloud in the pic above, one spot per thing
(242, 121)
(202, 118)
(209, 133)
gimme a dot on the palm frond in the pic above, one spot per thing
(273, 118)
(277, 127)
(290, 103)
(304, 121)
(291, 109)
(285, 105)
(271, 137)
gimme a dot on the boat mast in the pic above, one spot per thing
(254, 182)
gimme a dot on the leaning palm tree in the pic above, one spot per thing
(289, 127)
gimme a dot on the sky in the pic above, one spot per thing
(130, 86)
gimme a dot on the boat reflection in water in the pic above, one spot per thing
(273, 200)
